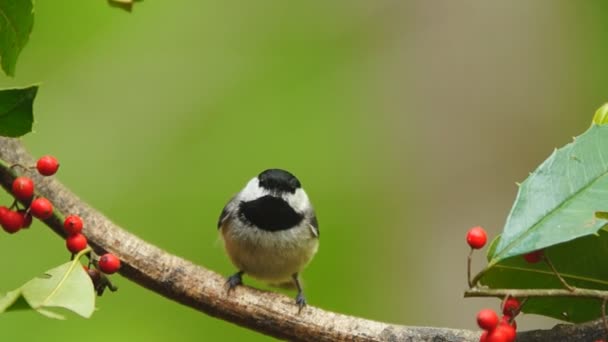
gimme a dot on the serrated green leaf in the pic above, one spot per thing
(16, 111)
(67, 286)
(16, 22)
(558, 201)
(578, 262)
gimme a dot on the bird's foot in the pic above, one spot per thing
(234, 280)
(300, 301)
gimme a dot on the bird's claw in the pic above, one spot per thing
(300, 301)
(234, 281)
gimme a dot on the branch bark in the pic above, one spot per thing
(194, 286)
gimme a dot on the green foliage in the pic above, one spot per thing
(67, 286)
(560, 208)
(16, 111)
(578, 262)
(601, 115)
(16, 22)
(559, 200)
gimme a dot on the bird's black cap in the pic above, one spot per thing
(279, 180)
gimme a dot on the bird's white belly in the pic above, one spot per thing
(269, 256)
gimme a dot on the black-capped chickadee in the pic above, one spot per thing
(270, 231)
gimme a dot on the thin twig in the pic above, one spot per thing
(561, 279)
(501, 293)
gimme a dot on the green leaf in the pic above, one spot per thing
(16, 22)
(558, 201)
(578, 262)
(601, 115)
(8, 299)
(67, 286)
(16, 111)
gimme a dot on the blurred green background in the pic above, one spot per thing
(406, 121)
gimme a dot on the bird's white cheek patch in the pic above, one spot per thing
(252, 191)
(299, 200)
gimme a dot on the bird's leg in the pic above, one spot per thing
(300, 299)
(234, 280)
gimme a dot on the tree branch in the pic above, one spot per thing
(194, 286)
(527, 293)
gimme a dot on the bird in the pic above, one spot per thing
(270, 231)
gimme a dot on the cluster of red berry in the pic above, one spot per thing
(499, 330)
(503, 329)
(495, 329)
(14, 218)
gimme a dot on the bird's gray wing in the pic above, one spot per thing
(314, 225)
(226, 212)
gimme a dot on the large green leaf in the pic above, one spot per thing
(67, 286)
(16, 111)
(578, 262)
(559, 200)
(16, 22)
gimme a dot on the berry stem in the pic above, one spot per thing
(469, 261)
(522, 303)
(14, 205)
(25, 168)
(478, 276)
(561, 279)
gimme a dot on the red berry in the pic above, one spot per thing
(12, 222)
(27, 218)
(506, 319)
(73, 224)
(41, 208)
(510, 307)
(487, 319)
(3, 211)
(76, 242)
(23, 188)
(534, 257)
(484, 336)
(477, 237)
(47, 165)
(502, 333)
(108, 263)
